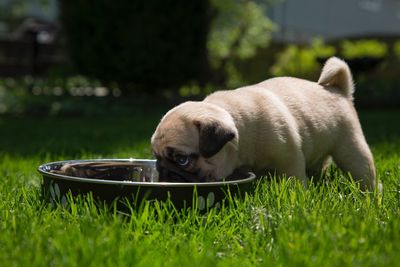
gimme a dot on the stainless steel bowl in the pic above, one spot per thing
(133, 179)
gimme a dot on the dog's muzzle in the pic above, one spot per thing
(169, 172)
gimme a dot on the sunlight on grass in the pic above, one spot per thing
(281, 224)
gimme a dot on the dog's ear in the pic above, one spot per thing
(213, 136)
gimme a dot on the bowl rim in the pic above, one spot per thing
(41, 169)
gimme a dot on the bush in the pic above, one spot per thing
(375, 70)
(238, 30)
(300, 61)
(149, 43)
(363, 48)
(396, 49)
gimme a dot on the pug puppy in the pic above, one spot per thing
(288, 125)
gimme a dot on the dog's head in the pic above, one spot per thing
(195, 142)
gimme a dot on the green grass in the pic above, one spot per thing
(282, 224)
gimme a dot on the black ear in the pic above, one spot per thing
(212, 137)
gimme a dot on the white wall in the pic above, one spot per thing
(301, 20)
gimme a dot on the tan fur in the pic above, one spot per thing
(287, 124)
(337, 74)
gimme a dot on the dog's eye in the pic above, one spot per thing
(182, 160)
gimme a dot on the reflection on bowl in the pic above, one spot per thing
(135, 179)
(116, 170)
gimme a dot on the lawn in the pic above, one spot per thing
(281, 224)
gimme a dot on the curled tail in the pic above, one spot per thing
(337, 73)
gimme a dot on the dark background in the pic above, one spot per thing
(70, 57)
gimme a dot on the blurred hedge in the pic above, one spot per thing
(143, 43)
(375, 64)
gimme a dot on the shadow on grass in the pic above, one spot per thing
(72, 137)
(381, 126)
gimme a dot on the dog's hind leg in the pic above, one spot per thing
(352, 155)
(294, 166)
(318, 170)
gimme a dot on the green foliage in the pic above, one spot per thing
(295, 61)
(194, 90)
(376, 86)
(363, 48)
(281, 224)
(300, 61)
(396, 49)
(146, 43)
(321, 49)
(72, 96)
(238, 30)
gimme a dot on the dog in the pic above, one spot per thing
(289, 125)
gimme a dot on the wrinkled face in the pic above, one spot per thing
(192, 149)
